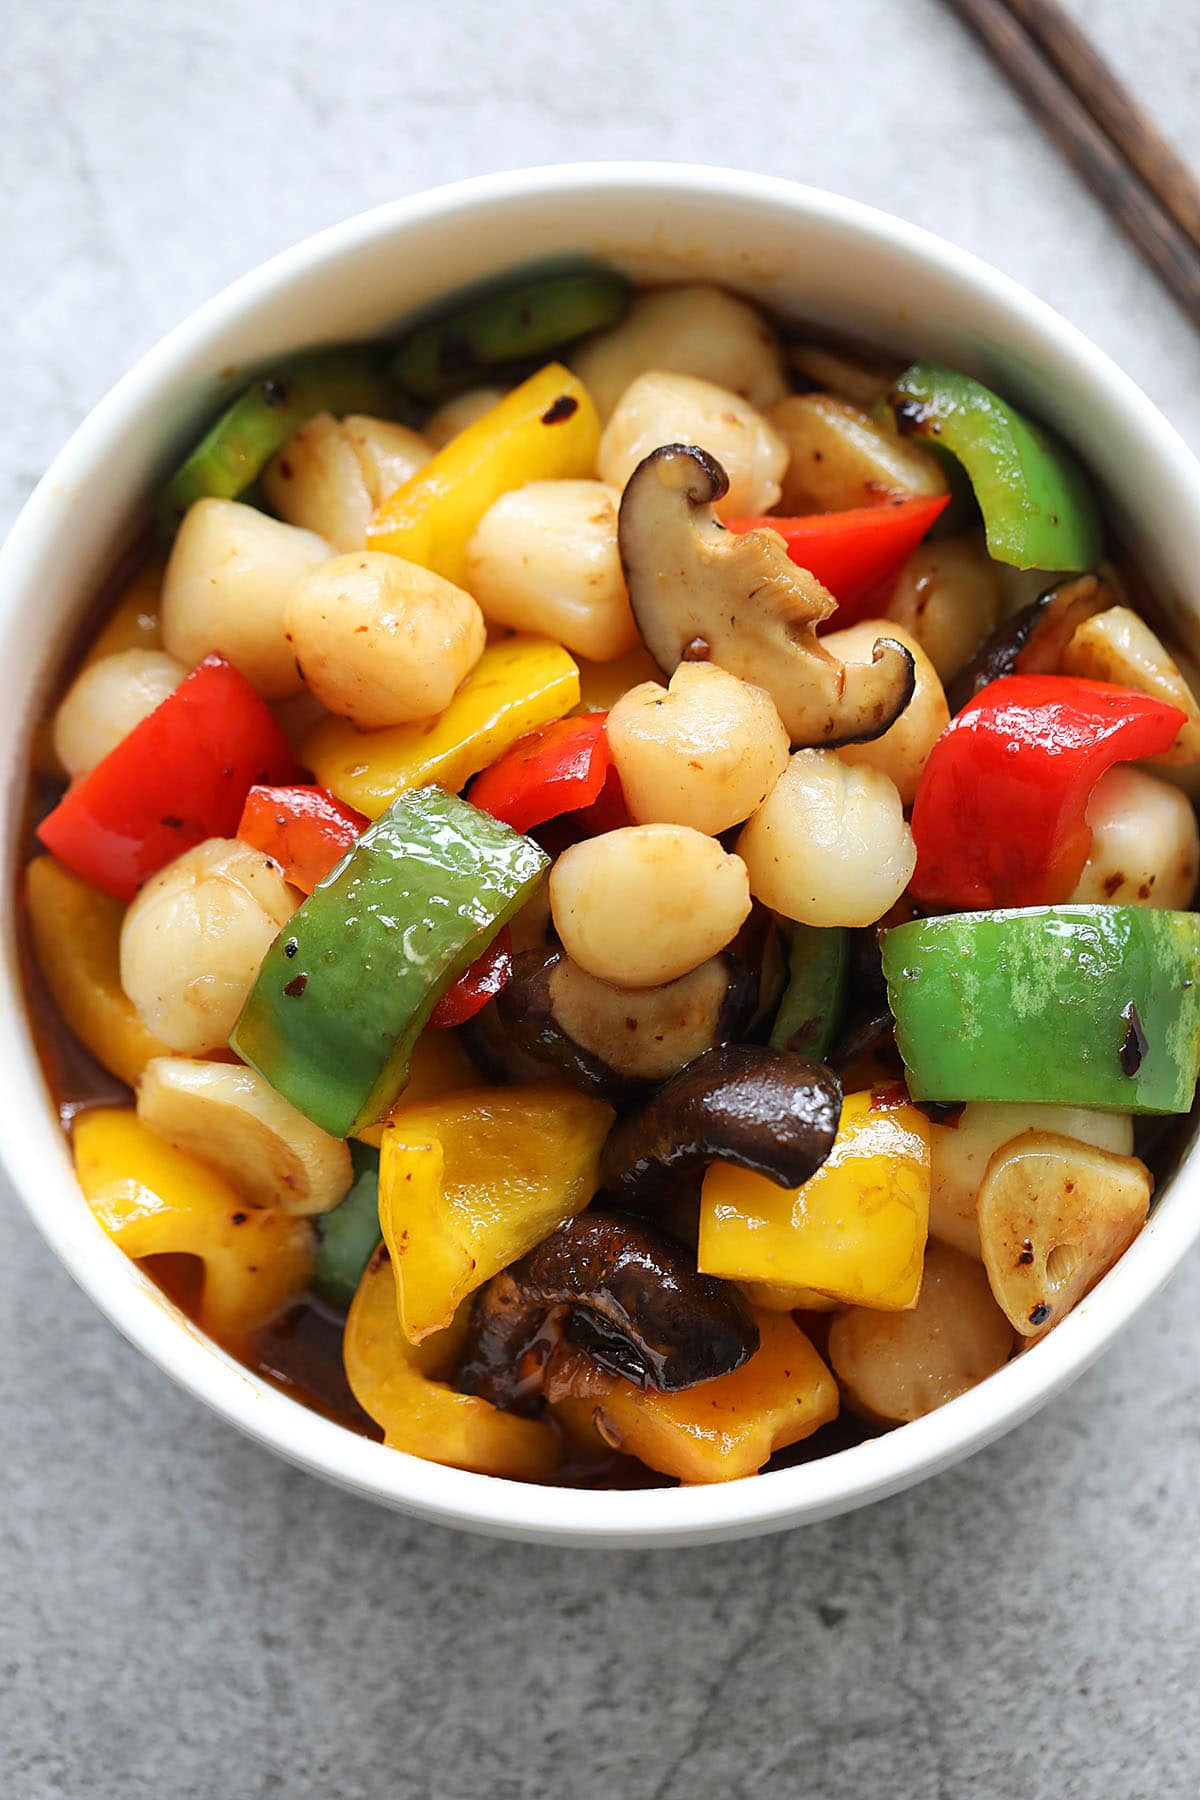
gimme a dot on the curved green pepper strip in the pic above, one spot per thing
(1038, 508)
(350, 981)
(1071, 1005)
(530, 320)
(347, 1236)
(812, 1001)
(236, 449)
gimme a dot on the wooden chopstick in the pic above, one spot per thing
(1114, 109)
(1108, 163)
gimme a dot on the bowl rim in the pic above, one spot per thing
(809, 1491)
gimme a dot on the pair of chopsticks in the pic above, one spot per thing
(1101, 130)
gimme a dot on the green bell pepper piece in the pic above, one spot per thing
(1072, 1005)
(348, 984)
(1039, 511)
(347, 1236)
(233, 453)
(458, 349)
(812, 1001)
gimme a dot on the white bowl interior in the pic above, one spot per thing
(800, 253)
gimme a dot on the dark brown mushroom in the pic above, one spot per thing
(767, 1110)
(1033, 640)
(495, 1051)
(634, 1301)
(747, 602)
(618, 1042)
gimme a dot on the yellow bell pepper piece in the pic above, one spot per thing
(722, 1429)
(152, 1200)
(397, 1384)
(469, 1183)
(76, 937)
(545, 430)
(438, 1065)
(514, 687)
(855, 1232)
(772, 1296)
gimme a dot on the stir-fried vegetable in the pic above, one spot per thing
(403, 1387)
(348, 1236)
(154, 1200)
(812, 1001)
(545, 430)
(1000, 817)
(235, 450)
(76, 936)
(179, 777)
(304, 829)
(600, 1190)
(457, 349)
(1072, 1005)
(1038, 507)
(719, 1431)
(345, 990)
(854, 1231)
(515, 686)
(469, 1183)
(557, 769)
(858, 554)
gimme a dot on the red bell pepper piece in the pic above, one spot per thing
(556, 769)
(179, 777)
(1000, 814)
(304, 829)
(858, 554)
(476, 985)
(608, 812)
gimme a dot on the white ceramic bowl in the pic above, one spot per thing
(801, 252)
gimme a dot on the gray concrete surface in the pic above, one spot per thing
(182, 1616)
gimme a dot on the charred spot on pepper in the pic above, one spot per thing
(912, 416)
(1040, 1313)
(1026, 1255)
(1134, 1044)
(296, 986)
(563, 408)
(291, 946)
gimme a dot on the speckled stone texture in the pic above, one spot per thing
(184, 1618)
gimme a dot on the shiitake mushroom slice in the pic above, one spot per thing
(700, 591)
(625, 1292)
(1032, 641)
(767, 1110)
